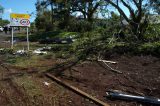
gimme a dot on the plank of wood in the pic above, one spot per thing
(76, 90)
(112, 62)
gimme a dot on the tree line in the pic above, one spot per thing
(52, 14)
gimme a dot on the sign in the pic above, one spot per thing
(20, 20)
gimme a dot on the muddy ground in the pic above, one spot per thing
(25, 86)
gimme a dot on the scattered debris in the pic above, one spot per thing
(118, 95)
(112, 62)
(46, 83)
(47, 48)
(63, 41)
(114, 70)
(6, 41)
(105, 62)
(39, 51)
(1, 49)
(42, 50)
(21, 52)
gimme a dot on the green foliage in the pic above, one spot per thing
(150, 48)
(6, 51)
(4, 22)
(95, 34)
(154, 4)
(43, 22)
(76, 25)
(47, 35)
(152, 32)
(88, 44)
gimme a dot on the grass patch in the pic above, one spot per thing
(29, 86)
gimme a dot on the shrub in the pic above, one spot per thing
(150, 48)
(78, 25)
(153, 33)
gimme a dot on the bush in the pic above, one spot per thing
(132, 49)
(153, 33)
(78, 25)
(150, 48)
(5, 51)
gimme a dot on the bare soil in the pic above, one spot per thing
(141, 76)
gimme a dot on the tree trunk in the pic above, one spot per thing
(139, 29)
(52, 13)
(90, 17)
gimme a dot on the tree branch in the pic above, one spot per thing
(135, 2)
(139, 11)
(129, 8)
(119, 9)
(96, 6)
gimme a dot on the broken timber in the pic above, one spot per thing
(78, 91)
(114, 70)
(112, 62)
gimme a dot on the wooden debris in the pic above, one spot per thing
(76, 90)
(106, 61)
(114, 70)
(99, 59)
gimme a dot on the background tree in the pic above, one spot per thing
(4, 22)
(87, 7)
(155, 4)
(43, 21)
(137, 20)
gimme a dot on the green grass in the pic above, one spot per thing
(29, 85)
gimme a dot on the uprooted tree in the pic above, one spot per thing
(137, 11)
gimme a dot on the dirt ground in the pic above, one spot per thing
(141, 76)
(25, 86)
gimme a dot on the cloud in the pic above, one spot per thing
(8, 10)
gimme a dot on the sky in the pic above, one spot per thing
(18, 6)
(24, 7)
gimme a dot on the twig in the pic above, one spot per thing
(106, 61)
(114, 70)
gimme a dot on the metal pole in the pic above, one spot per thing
(12, 39)
(27, 39)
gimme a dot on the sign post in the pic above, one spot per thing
(12, 39)
(27, 39)
(20, 20)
